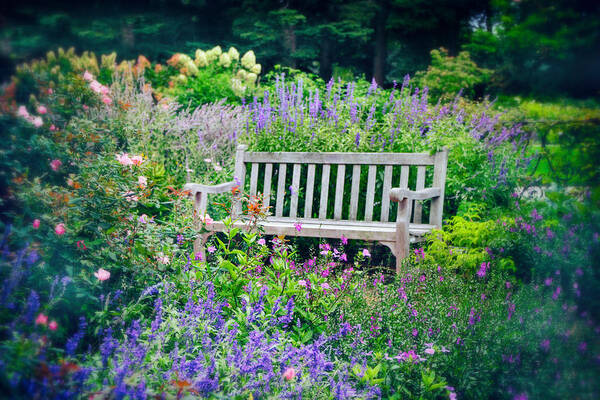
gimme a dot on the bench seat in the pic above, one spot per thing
(369, 231)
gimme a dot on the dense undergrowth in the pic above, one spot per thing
(103, 297)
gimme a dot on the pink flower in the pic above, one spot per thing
(85, 108)
(344, 240)
(206, 219)
(302, 282)
(55, 164)
(37, 122)
(87, 76)
(211, 249)
(124, 159)
(53, 325)
(60, 229)
(207, 160)
(42, 110)
(137, 160)
(325, 286)
(36, 223)
(298, 226)
(41, 319)
(106, 100)
(261, 242)
(142, 181)
(289, 374)
(22, 112)
(218, 168)
(366, 253)
(430, 351)
(102, 274)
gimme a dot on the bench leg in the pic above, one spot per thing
(402, 234)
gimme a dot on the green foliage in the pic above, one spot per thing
(466, 242)
(448, 75)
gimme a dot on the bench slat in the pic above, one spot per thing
(280, 190)
(324, 192)
(342, 158)
(370, 192)
(439, 180)
(385, 198)
(339, 191)
(310, 189)
(267, 186)
(253, 179)
(420, 185)
(354, 193)
(295, 190)
(404, 172)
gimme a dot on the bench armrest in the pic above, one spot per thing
(398, 194)
(220, 188)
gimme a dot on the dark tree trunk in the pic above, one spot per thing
(379, 58)
(289, 34)
(325, 69)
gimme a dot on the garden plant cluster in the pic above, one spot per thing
(103, 297)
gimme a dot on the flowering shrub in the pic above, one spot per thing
(211, 76)
(485, 158)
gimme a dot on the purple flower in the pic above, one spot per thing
(211, 249)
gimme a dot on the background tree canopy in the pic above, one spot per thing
(533, 47)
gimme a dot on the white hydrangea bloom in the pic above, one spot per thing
(191, 67)
(249, 60)
(237, 87)
(211, 55)
(233, 54)
(241, 74)
(251, 78)
(201, 60)
(225, 60)
(256, 69)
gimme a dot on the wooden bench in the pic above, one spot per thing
(351, 211)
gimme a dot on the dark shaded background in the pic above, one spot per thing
(541, 48)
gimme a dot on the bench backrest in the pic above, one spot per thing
(364, 179)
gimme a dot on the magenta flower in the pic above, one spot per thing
(298, 226)
(41, 319)
(60, 229)
(42, 110)
(55, 164)
(53, 325)
(102, 274)
(344, 240)
(36, 223)
(366, 253)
